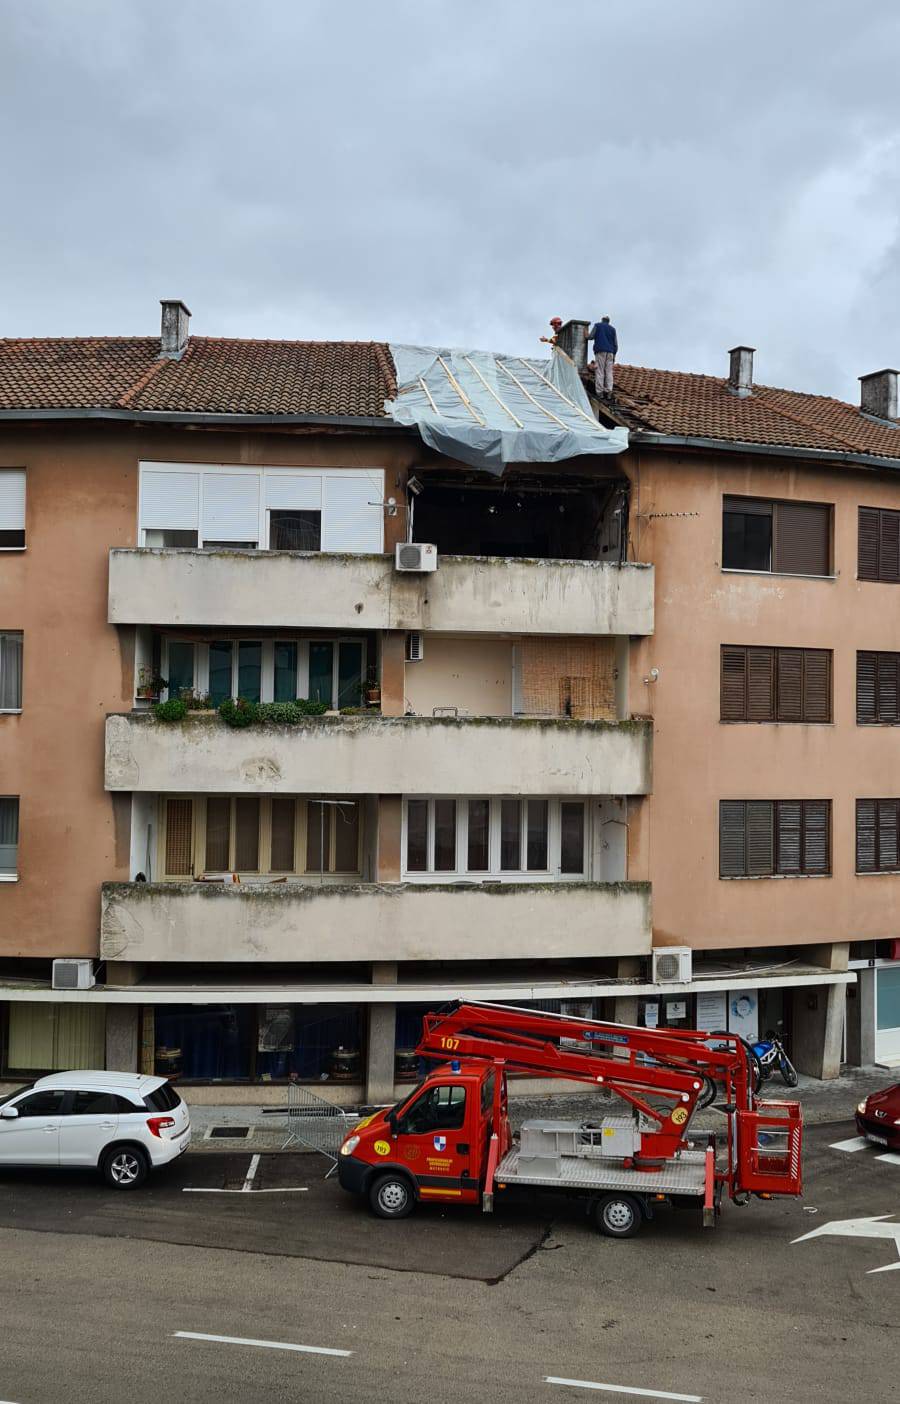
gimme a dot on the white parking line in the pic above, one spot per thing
(251, 1171)
(201, 1189)
(624, 1389)
(890, 1157)
(855, 1143)
(283, 1345)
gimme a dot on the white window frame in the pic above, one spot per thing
(23, 528)
(14, 876)
(267, 677)
(374, 478)
(19, 634)
(461, 874)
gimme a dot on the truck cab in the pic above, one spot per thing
(432, 1145)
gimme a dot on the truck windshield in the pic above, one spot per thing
(397, 1108)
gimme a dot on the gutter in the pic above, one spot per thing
(124, 416)
(834, 457)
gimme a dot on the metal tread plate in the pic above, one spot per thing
(687, 1175)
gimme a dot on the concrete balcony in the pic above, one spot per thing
(380, 755)
(290, 590)
(370, 922)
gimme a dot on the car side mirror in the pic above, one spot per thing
(9, 1113)
(392, 1122)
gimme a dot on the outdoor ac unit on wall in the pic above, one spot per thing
(672, 965)
(415, 648)
(415, 555)
(73, 975)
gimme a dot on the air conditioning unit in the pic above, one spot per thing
(415, 555)
(73, 975)
(672, 965)
(415, 648)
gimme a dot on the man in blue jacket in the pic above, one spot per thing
(606, 345)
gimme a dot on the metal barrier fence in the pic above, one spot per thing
(317, 1124)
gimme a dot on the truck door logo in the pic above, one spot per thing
(440, 1143)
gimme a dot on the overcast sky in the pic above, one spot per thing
(456, 173)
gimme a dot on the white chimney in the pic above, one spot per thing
(878, 394)
(176, 321)
(740, 371)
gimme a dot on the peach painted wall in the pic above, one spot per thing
(81, 500)
(699, 760)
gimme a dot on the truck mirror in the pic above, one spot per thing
(392, 1121)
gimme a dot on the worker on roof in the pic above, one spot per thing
(606, 346)
(556, 323)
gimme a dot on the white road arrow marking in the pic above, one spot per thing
(875, 1227)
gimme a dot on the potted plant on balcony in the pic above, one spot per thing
(373, 691)
(150, 684)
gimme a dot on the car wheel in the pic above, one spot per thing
(618, 1216)
(125, 1167)
(391, 1197)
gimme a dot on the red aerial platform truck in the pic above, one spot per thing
(450, 1141)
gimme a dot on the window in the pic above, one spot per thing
(332, 671)
(791, 538)
(280, 834)
(877, 688)
(767, 838)
(12, 509)
(94, 1104)
(509, 838)
(9, 837)
(282, 509)
(877, 822)
(162, 1099)
(41, 1104)
(775, 684)
(44, 1037)
(438, 1109)
(10, 671)
(180, 667)
(879, 545)
(235, 670)
(337, 672)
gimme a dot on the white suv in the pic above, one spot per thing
(121, 1123)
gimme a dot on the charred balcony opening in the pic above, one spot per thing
(570, 519)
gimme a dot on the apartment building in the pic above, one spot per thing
(658, 667)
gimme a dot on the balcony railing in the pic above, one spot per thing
(380, 755)
(202, 922)
(285, 589)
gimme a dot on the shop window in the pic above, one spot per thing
(51, 1037)
(226, 1042)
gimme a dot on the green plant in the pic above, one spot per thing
(150, 682)
(175, 710)
(239, 713)
(195, 701)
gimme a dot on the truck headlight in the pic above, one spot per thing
(350, 1145)
(861, 1108)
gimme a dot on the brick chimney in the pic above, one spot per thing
(571, 340)
(878, 394)
(740, 371)
(176, 320)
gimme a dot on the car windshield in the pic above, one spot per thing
(8, 1096)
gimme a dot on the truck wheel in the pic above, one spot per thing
(391, 1197)
(618, 1216)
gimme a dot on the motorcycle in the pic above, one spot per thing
(770, 1053)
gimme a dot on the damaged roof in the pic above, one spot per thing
(347, 380)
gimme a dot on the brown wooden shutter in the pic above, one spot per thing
(889, 546)
(865, 836)
(732, 838)
(789, 836)
(817, 684)
(283, 826)
(760, 838)
(179, 837)
(733, 683)
(887, 836)
(817, 836)
(887, 687)
(789, 706)
(760, 684)
(802, 538)
(246, 834)
(866, 707)
(218, 834)
(867, 544)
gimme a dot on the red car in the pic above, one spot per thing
(878, 1117)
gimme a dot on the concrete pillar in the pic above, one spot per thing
(121, 1038)
(626, 1005)
(393, 673)
(382, 1029)
(818, 1027)
(865, 1000)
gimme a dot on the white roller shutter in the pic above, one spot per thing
(169, 501)
(12, 499)
(231, 507)
(352, 514)
(294, 491)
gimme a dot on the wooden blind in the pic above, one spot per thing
(877, 830)
(218, 835)
(877, 688)
(816, 837)
(246, 834)
(179, 833)
(775, 684)
(790, 837)
(878, 544)
(802, 538)
(283, 825)
(759, 838)
(732, 862)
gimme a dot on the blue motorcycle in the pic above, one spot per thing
(770, 1054)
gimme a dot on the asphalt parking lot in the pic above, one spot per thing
(447, 1305)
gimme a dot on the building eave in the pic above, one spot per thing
(645, 438)
(205, 420)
